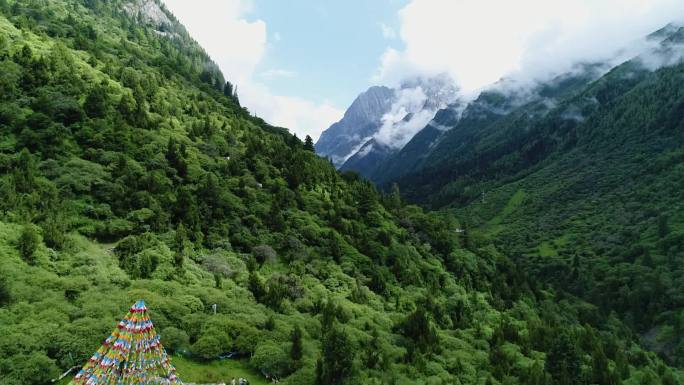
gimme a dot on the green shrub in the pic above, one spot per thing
(270, 357)
(28, 244)
(175, 339)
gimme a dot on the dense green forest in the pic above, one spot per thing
(128, 170)
(587, 195)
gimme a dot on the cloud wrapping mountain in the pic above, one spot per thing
(358, 125)
(382, 120)
(479, 42)
(417, 102)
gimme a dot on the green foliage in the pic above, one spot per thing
(271, 358)
(96, 103)
(309, 144)
(5, 289)
(179, 247)
(582, 195)
(30, 368)
(207, 347)
(123, 143)
(174, 339)
(256, 285)
(54, 231)
(24, 173)
(373, 351)
(264, 253)
(600, 370)
(296, 351)
(27, 244)
(418, 329)
(563, 361)
(336, 364)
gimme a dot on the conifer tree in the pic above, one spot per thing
(600, 373)
(337, 358)
(563, 361)
(5, 291)
(309, 144)
(663, 227)
(228, 89)
(28, 243)
(296, 351)
(179, 246)
(256, 285)
(621, 365)
(95, 105)
(372, 350)
(394, 198)
(24, 172)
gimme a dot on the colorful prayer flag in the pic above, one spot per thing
(131, 355)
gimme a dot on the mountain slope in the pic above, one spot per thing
(456, 129)
(128, 171)
(360, 122)
(417, 102)
(411, 156)
(586, 195)
(381, 121)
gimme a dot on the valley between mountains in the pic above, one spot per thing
(522, 236)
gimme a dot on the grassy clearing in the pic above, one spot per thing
(550, 248)
(546, 249)
(216, 371)
(512, 204)
(561, 241)
(494, 226)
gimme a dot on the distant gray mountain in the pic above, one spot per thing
(417, 102)
(411, 156)
(382, 120)
(368, 158)
(454, 128)
(360, 122)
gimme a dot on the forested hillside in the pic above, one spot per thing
(128, 170)
(586, 197)
(469, 131)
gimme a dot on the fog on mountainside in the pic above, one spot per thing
(540, 168)
(397, 149)
(382, 120)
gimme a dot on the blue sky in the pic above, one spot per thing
(300, 63)
(325, 49)
(297, 63)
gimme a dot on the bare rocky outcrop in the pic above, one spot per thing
(150, 10)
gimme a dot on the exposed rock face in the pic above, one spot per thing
(382, 120)
(150, 11)
(360, 122)
(420, 146)
(366, 160)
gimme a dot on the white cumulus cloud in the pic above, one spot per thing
(406, 117)
(238, 45)
(480, 41)
(387, 31)
(302, 116)
(277, 73)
